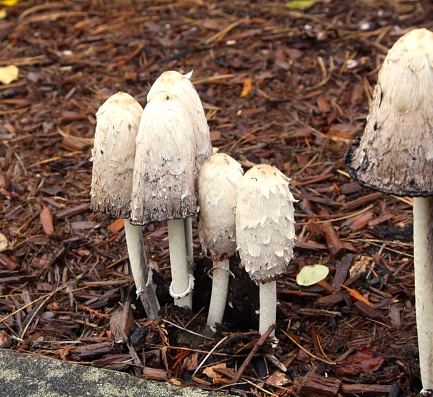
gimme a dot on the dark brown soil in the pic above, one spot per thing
(286, 87)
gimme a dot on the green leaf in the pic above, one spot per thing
(297, 5)
(312, 274)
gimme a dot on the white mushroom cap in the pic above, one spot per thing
(395, 154)
(174, 83)
(265, 230)
(217, 200)
(113, 154)
(163, 181)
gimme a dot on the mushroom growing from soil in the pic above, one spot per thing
(175, 83)
(113, 162)
(217, 200)
(265, 232)
(395, 156)
(164, 181)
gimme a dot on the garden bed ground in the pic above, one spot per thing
(287, 87)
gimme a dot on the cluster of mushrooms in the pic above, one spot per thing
(156, 165)
(138, 175)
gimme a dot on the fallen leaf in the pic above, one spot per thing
(217, 379)
(355, 295)
(191, 362)
(278, 379)
(47, 221)
(312, 274)
(361, 362)
(248, 83)
(3, 242)
(8, 3)
(300, 4)
(8, 74)
(360, 266)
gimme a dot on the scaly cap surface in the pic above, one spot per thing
(163, 180)
(217, 200)
(395, 154)
(113, 154)
(265, 230)
(175, 83)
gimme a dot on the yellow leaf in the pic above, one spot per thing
(312, 274)
(248, 83)
(3, 242)
(300, 4)
(8, 3)
(8, 74)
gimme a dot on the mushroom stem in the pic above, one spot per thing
(268, 306)
(182, 280)
(188, 242)
(140, 270)
(423, 264)
(220, 286)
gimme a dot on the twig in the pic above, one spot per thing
(43, 297)
(256, 347)
(184, 329)
(306, 351)
(207, 355)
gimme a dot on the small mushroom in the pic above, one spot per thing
(163, 181)
(395, 156)
(113, 162)
(265, 232)
(217, 200)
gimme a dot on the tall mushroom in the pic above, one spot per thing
(395, 156)
(113, 162)
(163, 181)
(175, 83)
(265, 232)
(217, 200)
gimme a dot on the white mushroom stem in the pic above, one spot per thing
(182, 281)
(268, 306)
(140, 270)
(188, 243)
(220, 286)
(423, 263)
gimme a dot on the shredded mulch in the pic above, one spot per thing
(287, 87)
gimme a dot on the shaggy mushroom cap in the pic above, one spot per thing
(163, 182)
(395, 154)
(113, 154)
(265, 223)
(217, 199)
(175, 83)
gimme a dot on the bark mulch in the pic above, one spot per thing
(288, 87)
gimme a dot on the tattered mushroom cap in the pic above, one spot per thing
(217, 200)
(175, 83)
(265, 223)
(163, 181)
(395, 154)
(113, 154)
